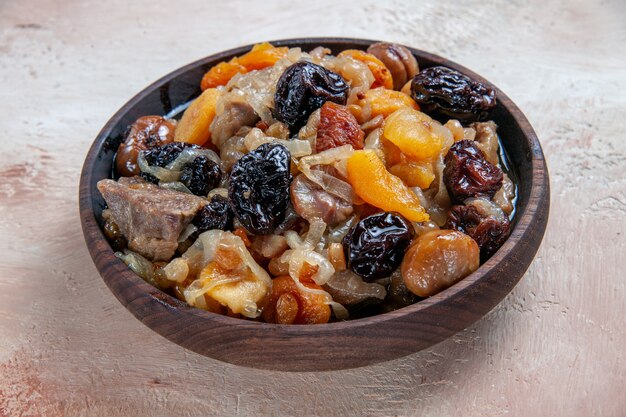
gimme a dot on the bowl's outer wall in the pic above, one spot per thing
(335, 345)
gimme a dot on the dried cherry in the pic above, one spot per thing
(450, 93)
(374, 247)
(337, 127)
(469, 174)
(488, 231)
(259, 188)
(201, 175)
(303, 88)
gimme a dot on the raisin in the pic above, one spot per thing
(374, 247)
(337, 127)
(303, 88)
(146, 133)
(259, 188)
(448, 92)
(162, 155)
(215, 215)
(201, 175)
(469, 174)
(489, 232)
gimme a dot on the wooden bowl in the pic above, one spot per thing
(325, 346)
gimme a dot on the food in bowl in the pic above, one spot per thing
(303, 188)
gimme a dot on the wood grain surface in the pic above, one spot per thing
(554, 346)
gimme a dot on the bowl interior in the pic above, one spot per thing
(182, 85)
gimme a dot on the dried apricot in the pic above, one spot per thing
(382, 101)
(415, 173)
(374, 184)
(337, 127)
(261, 56)
(382, 75)
(416, 134)
(194, 125)
(287, 304)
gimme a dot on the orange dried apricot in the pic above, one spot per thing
(416, 134)
(287, 304)
(374, 184)
(261, 56)
(415, 173)
(382, 101)
(196, 121)
(221, 74)
(382, 75)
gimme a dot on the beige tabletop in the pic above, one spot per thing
(554, 347)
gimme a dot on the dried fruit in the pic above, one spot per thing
(259, 188)
(398, 59)
(146, 133)
(383, 102)
(468, 174)
(415, 173)
(201, 175)
(303, 88)
(438, 259)
(261, 55)
(196, 121)
(287, 304)
(337, 127)
(374, 184)
(215, 215)
(382, 75)
(448, 92)
(160, 156)
(416, 134)
(375, 246)
(484, 222)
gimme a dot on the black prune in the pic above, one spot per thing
(468, 174)
(374, 247)
(450, 93)
(303, 88)
(162, 155)
(489, 232)
(201, 175)
(215, 215)
(259, 188)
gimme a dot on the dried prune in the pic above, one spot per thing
(468, 173)
(303, 88)
(488, 231)
(374, 247)
(146, 133)
(160, 156)
(337, 127)
(215, 215)
(259, 188)
(201, 175)
(450, 93)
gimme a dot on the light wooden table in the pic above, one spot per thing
(554, 347)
